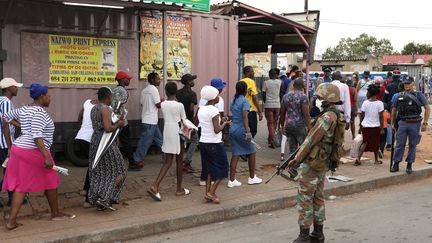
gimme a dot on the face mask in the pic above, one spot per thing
(318, 104)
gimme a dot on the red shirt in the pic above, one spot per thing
(351, 90)
(380, 96)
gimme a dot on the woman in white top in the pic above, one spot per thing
(271, 91)
(371, 124)
(213, 154)
(174, 114)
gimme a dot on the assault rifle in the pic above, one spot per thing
(283, 165)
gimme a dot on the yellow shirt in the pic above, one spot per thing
(251, 90)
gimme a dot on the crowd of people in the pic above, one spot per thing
(386, 108)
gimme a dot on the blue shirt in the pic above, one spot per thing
(418, 95)
(5, 107)
(237, 107)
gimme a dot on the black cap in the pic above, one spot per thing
(366, 73)
(188, 77)
(327, 69)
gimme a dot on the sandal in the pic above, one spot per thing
(13, 227)
(63, 216)
(210, 198)
(155, 195)
(184, 193)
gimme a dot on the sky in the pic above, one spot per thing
(400, 21)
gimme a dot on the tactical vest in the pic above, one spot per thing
(408, 106)
(326, 154)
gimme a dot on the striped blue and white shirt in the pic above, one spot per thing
(5, 106)
(35, 123)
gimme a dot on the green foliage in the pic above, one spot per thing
(417, 48)
(359, 47)
(430, 63)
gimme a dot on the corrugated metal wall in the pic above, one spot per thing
(214, 54)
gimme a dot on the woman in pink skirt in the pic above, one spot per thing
(30, 164)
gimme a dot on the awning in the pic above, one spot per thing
(258, 29)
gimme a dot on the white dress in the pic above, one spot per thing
(173, 112)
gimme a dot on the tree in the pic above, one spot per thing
(416, 48)
(359, 47)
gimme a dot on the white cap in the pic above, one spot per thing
(8, 82)
(209, 92)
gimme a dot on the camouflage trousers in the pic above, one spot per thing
(310, 197)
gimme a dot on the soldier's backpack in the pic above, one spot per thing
(337, 146)
(334, 151)
(408, 106)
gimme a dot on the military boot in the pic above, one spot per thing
(409, 168)
(317, 235)
(394, 168)
(303, 236)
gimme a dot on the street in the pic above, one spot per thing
(395, 214)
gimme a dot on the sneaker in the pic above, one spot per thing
(233, 183)
(255, 180)
(136, 166)
(202, 183)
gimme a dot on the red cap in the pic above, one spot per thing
(121, 75)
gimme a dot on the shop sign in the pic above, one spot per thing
(179, 46)
(82, 60)
(202, 5)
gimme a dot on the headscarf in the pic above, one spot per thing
(36, 90)
(209, 93)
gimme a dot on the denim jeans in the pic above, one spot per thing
(295, 137)
(410, 131)
(389, 135)
(149, 133)
(193, 143)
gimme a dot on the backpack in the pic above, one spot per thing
(408, 106)
(335, 149)
(338, 140)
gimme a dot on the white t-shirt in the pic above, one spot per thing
(149, 98)
(371, 110)
(205, 116)
(220, 105)
(272, 89)
(86, 131)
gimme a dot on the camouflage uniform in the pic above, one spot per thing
(314, 153)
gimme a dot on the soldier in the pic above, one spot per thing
(315, 154)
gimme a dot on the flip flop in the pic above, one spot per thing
(64, 217)
(212, 199)
(184, 193)
(155, 196)
(13, 227)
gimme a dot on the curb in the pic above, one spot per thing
(234, 210)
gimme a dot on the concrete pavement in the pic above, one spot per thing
(139, 215)
(396, 214)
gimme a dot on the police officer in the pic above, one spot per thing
(407, 105)
(315, 153)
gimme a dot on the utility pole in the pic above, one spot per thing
(306, 7)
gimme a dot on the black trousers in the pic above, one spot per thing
(253, 123)
(124, 137)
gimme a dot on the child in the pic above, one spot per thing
(383, 139)
(174, 114)
(212, 149)
(371, 123)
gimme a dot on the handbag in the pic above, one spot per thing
(355, 146)
(278, 138)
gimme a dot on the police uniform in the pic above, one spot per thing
(314, 154)
(408, 106)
